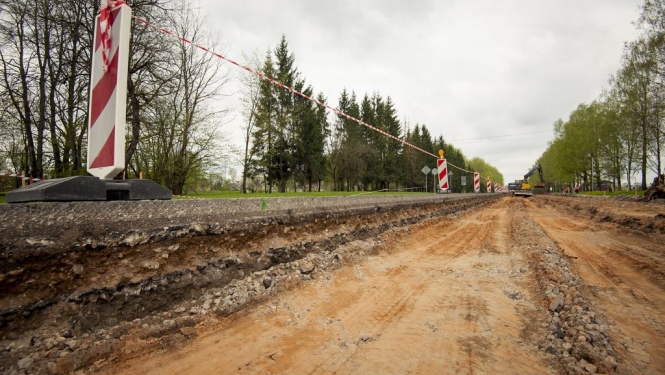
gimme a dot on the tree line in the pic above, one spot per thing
(295, 142)
(621, 134)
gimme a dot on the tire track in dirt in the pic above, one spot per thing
(616, 269)
(450, 297)
(392, 310)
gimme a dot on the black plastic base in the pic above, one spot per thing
(87, 188)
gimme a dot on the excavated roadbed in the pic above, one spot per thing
(76, 278)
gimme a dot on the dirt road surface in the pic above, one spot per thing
(468, 284)
(523, 286)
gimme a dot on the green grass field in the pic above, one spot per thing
(235, 194)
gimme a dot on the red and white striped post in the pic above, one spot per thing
(106, 126)
(476, 182)
(442, 168)
(108, 90)
(489, 184)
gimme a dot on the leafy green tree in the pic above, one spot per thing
(249, 110)
(180, 130)
(479, 165)
(621, 133)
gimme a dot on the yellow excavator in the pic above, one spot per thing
(526, 190)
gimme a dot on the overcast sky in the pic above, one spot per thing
(490, 76)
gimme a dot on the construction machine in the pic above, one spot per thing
(514, 186)
(526, 190)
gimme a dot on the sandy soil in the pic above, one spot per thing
(451, 297)
(454, 296)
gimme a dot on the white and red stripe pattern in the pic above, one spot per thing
(476, 182)
(489, 185)
(442, 168)
(108, 90)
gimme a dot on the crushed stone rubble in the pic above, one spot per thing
(577, 332)
(40, 226)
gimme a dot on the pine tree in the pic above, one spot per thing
(369, 139)
(285, 140)
(394, 170)
(313, 126)
(263, 150)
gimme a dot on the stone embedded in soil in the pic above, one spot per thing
(567, 347)
(306, 267)
(591, 368)
(77, 269)
(597, 337)
(150, 264)
(135, 238)
(185, 321)
(556, 303)
(52, 368)
(610, 363)
(188, 331)
(569, 360)
(263, 263)
(26, 363)
(267, 282)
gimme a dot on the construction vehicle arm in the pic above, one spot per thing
(535, 169)
(526, 189)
